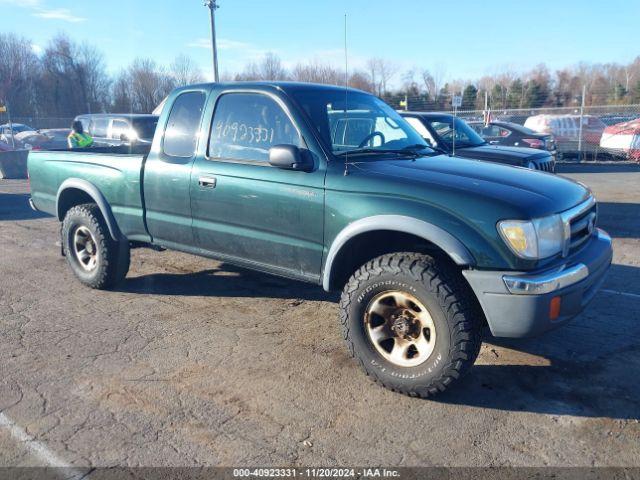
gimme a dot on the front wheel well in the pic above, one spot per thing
(369, 245)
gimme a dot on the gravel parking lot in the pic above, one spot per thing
(193, 362)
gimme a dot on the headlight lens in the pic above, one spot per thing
(533, 239)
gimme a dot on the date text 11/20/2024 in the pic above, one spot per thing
(316, 472)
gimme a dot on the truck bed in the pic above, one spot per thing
(116, 172)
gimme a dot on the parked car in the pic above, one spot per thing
(110, 129)
(610, 119)
(513, 135)
(622, 140)
(437, 129)
(426, 248)
(16, 128)
(5, 147)
(566, 131)
(49, 139)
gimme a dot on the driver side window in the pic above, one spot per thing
(246, 125)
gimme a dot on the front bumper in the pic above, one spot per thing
(520, 304)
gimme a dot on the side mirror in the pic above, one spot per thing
(428, 140)
(290, 157)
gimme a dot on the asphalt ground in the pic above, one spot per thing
(194, 362)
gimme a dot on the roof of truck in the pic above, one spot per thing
(284, 86)
(118, 115)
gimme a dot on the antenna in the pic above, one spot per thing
(346, 92)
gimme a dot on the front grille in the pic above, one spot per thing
(545, 166)
(580, 225)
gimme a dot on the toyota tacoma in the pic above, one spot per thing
(331, 186)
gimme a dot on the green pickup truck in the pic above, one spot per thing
(331, 186)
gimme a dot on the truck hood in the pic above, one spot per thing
(509, 155)
(529, 193)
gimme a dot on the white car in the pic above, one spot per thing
(6, 129)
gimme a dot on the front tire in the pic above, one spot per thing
(96, 259)
(410, 323)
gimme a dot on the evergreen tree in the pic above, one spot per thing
(469, 97)
(535, 95)
(514, 99)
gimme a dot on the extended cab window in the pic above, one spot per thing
(183, 126)
(246, 125)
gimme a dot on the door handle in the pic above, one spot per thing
(207, 182)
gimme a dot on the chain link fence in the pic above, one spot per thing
(595, 132)
(601, 132)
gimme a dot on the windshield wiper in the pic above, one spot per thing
(365, 151)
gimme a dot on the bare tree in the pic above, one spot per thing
(18, 73)
(433, 81)
(381, 71)
(316, 72)
(361, 81)
(142, 86)
(185, 71)
(269, 68)
(122, 101)
(74, 78)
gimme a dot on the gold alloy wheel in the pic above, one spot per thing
(400, 328)
(85, 248)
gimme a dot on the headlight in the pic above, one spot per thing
(533, 239)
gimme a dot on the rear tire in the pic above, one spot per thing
(426, 311)
(96, 259)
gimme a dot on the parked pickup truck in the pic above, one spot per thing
(427, 249)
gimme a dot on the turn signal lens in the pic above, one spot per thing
(554, 308)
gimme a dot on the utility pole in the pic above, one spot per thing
(584, 93)
(213, 6)
(8, 110)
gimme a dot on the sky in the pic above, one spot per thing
(465, 39)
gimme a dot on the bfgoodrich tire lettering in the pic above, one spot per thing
(85, 234)
(457, 327)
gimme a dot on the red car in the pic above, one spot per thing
(623, 140)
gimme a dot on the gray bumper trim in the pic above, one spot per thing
(546, 283)
(526, 312)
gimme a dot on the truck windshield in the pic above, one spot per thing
(358, 122)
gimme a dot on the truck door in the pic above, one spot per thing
(167, 174)
(248, 211)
